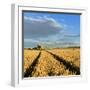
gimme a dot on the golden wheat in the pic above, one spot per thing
(29, 56)
(47, 65)
(69, 54)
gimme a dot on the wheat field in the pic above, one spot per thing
(51, 62)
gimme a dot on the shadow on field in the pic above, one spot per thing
(28, 72)
(72, 67)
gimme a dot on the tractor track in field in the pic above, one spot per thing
(28, 72)
(72, 67)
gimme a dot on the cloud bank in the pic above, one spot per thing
(40, 27)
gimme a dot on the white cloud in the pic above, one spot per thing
(41, 26)
(72, 35)
(30, 19)
(30, 40)
(44, 19)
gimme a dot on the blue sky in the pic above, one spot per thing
(51, 29)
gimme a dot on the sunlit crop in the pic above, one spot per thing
(54, 62)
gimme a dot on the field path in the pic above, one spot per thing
(48, 66)
(29, 70)
(72, 67)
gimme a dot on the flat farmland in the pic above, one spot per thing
(52, 62)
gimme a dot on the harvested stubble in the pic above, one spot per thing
(47, 65)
